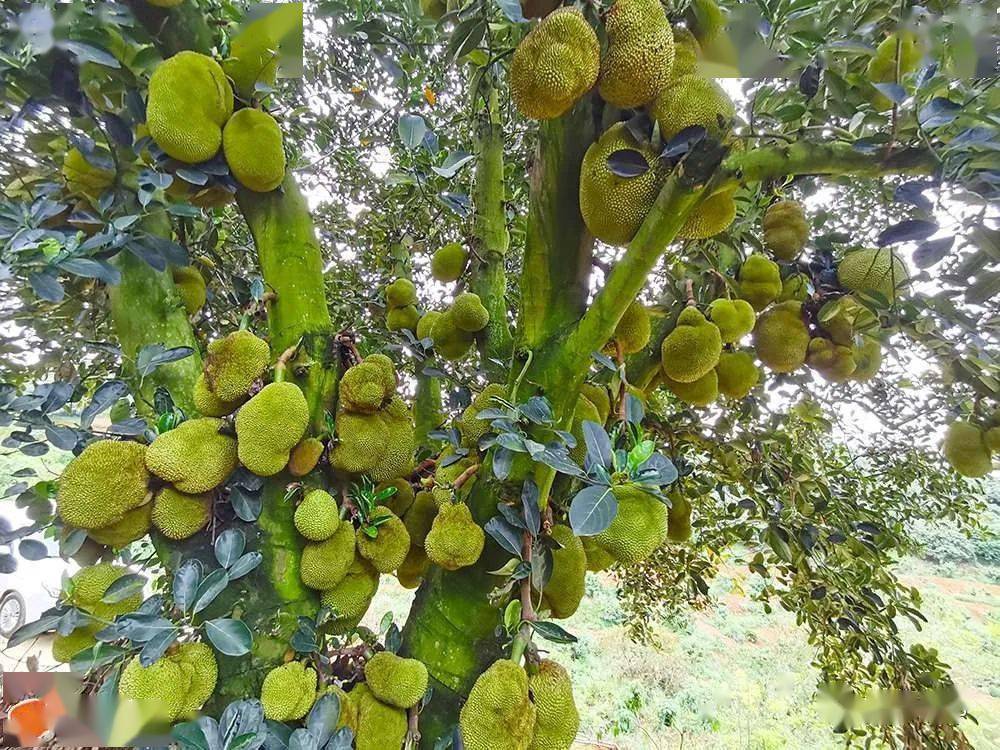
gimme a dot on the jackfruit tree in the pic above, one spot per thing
(486, 299)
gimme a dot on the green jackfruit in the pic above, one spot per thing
(795, 288)
(324, 564)
(84, 179)
(361, 442)
(134, 525)
(554, 65)
(473, 429)
(414, 568)
(98, 487)
(556, 717)
(781, 338)
(469, 313)
(614, 207)
(420, 516)
(317, 516)
(162, 686)
(254, 150)
(640, 56)
(402, 318)
(498, 714)
(269, 425)
(178, 515)
(288, 691)
(694, 100)
(692, 349)
(597, 558)
(402, 499)
(189, 102)
(65, 647)
(450, 341)
(387, 549)
(426, 324)
(868, 358)
(737, 374)
(786, 229)
(679, 518)
(348, 707)
(455, 540)
(874, 271)
(701, 392)
(966, 450)
(400, 293)
(305, 456)
(632, 332)
(380, 726)
(252, 58)
(448, 263)
(831, 360)
(396, 460)
(234, 363)
(844, 318)
(733, 317)
(365, 389)
(196, 456)
(992, 437)
(686, 53)
(638, 529)
(445, 477)
(905, 47)
(598, 395)
(208, 404)
(710, 217)
(190, 286)
(433, 8)
(88, 585)
(394, 680)
(564, 591)
(759, 281)
(204, 668)
(351, 597)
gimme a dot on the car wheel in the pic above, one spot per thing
(11, 613)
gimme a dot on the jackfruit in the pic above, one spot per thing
(966, 450)
(632, 332)
(162, 685)
(694, 100)
(190, 286)
(88, 586)
(637, 530)
(204, 674)
(597, 558)
(324, 564)
(426, 324)
(733, 317)
(380, 726)
(98, 487)
(450, 341)
(365, 389)
(640, 54)
(208, 404)
(585, 412)
(401, 293)
(305, 456)
(615, 207)
(679, 518)
(686, 53)
(189, 102)
(254, 150)
(554, 65)
(794, 288)
(84, 179)
(446, 476)
(905, 47)
(65, 647)
(234, 363)
(178, 515)
(469, 313)
(455, 540)
(868, 358)
(564, 591)
(420, 516)
(737, 374)
(196, 456)
(759, 281)
(361, 442)
(710, 217)
(269, 425)
(252, 58)
(556, 719)
(387, 549)
(873, 271)
(351, 597)
(348, 706)
(434, 8)
(598, 395)
(402, 499)
(448, 263)
(471, 428)
(317, 516)
(833, 361)
(133, 525)
(786, 229)
(394, 680)
(692, 349)
(781, 338)
(396, 460)
(402, 318)
(701, 392)
(498, 714)
(288, 691)
(414, 568)
(844, 318)
(992, 437)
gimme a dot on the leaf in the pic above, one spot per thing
(44, 624)
(157, 646)
(503, 460)
(537, 410)
(939, 111)
(598, 443)
(913, 194)
(92, 269)
(557, 457)
(640, 454)
(302, 739)
(552, 632)
(682, 143)
(512, 9)
(809, 80)
(241, 718)
(905, 231)
(635, 412)
(245, 564)
(231, 637)
(89, 53)
(505, 535)
(213, 585)
(453, 163)
(153, 356)
(658, 470)
(123, 588)
(323, 718)
(627, 163)
(592, 510)
(47, 286)
(511, 515)
(529, 507)
(892, 91)
(189, 736)
(229, 546)
(246, 504)
(105, 396)
(32, 549)
(932, 252)
(411, 130)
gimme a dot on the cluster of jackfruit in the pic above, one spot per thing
(852, 351)
(969, 448)
(401, 306)
(176, 685)
(898, 55)
(85, 591)
(449, 261)
(454, 330)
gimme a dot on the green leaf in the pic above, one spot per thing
(552, 632)
(231, 637)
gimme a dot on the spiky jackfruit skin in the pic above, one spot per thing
(177, 515)
(363, 389)
(324, 564)
(163, 684)
(402, 318)
(694, 100)
(317, 516)
(448, 262)
(414, 568)
(692, 349)
(401, 500)
(795, 288)
(387, 549)
(597, 558)
(400, 293)
(564, 591)
(498, 714)
(189, 102)
(786, 229)
(780, 338)
(396, 681)
(712, 216)
(204, 668)
(759, 281)
(844, 318)
(98, 487)
(556, 719)
(234, 363)
(361, 442)
(420, 516)
(966, 450)
(633, 330)
(831, 360)
(614, 207)
(882, 68)
(208, 404)
(252, 58)
(469, 313)
(455, 540)
(191, 287)
(679, 518)
(686, 53)
(426, 324)
(83, 179)
(351, 597)
(737, 374)
(640, 55)
(585, 412)
(305, 456)
(396, 460)
(87, 587)
(380, 725)
(733, 317)
(471, 428)
(554, 65)
(876, 270)
(638, 529)
(269, 425)
(288, 691)
(598, 395)
(450, 341)
(195, 456)
(701, 392)
(254, 150)
(65, 647)
(134, 525)
(868, 358)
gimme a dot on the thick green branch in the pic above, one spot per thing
(428, 411)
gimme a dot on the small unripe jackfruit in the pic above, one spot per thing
(379, 724)
(966, 450)
(288, 691)
(844, 318)
(868, 357)
(394, 680)
(401, 293)
(269, 425)
(89, 585)
(402, 318)
(305, 456)
(98, 487)
(204, 668)
(351, 597)
(557, 719)
(469, 313)
(196, 456)
(450, 341)
(679, 518)
(455, 540)
(191, 287)
(786, 229)
(903, 50)
(692, 349)
(84, 179)
(178, 515)
(426, 324)
(254, 150)
(878, 270)
(831, 360)
(448, 263)
(780, 338)
(733, 317)
(694, 100)
(133, 525)
(597, 558)
(795, 288)
(760, 281)
(710, 217)
(252, 58)
(401, 500)
(640, 56)
(737, 374)
(637, 530)
(469, 425)
(701, 392)
(686, 53)
(208, 404)
(414, 568)
(324, 564)
(365, 388)
(387, 549)
(317, 516)
(598, 395)
(498, 714)
(234, 363)
(633, 330)
(162, 685)
(564, 591)
(65, 647)
(420, 516)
